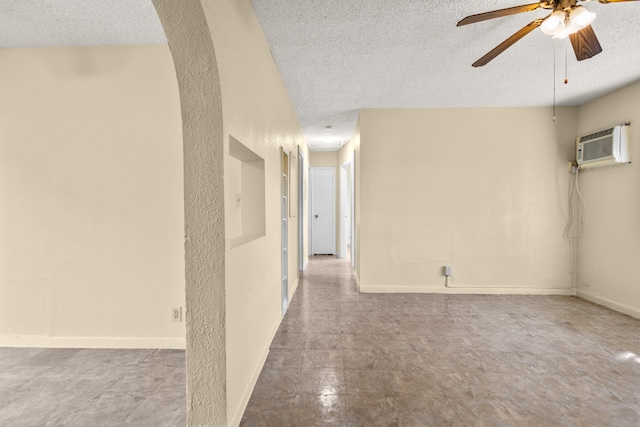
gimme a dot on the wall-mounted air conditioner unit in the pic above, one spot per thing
(606, 147)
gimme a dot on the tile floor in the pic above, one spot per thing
(92, 387)
(348, 359)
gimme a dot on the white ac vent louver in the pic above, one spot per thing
(605, 147)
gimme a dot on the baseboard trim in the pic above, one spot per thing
(92, 342)
(622, 308)
(293, 290)
(238, 412)
(356, 279)
(373, 289)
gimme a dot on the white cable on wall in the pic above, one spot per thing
(575, 187)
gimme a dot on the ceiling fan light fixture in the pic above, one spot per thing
(566, 19)
(564, 33)
(554, 23)
(580, 17)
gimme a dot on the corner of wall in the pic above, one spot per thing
(190, 41)
(607, 254)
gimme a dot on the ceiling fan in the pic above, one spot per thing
(566, 19)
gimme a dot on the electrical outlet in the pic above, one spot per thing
(573, 167)
(176, 314)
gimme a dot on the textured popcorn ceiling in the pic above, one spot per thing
(38, 23)
(339, 56)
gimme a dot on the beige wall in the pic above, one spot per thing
(198, 79)
(258, 113)
(91, 198)
(608, 254)
(322, 159)
(482, 190)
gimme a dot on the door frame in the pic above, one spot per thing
(285, 172)
(302, 192)
(346, 207)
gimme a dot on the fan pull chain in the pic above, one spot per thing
(566, 61)
(554, 80)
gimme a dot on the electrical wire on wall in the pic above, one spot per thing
(574, 187)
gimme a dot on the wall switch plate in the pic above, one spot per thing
(176, 314)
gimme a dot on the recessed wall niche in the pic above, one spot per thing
(246, 183)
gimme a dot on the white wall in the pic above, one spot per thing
(91, 199)
(481, 190)
(608, 254)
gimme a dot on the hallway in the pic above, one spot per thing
(348, 359)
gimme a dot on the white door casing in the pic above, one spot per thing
(285, 230)
(347, 214)
(301, 209)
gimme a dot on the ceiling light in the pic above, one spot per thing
(563, 34)
(554, 23)
(560, 23)
(329, 139)
(581, 17)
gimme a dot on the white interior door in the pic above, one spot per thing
(323, 211)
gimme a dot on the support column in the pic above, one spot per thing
(194, 58)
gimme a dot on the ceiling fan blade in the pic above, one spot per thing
(472, 19)
(585, 43)
(507, 43)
